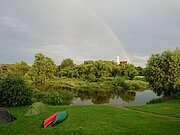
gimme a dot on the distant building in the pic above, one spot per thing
(123, 62)
(120, 62)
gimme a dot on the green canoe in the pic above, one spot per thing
(61, 116)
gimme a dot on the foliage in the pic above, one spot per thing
(140, 71)
(42, 69)
(122, 83)
(163, 72)
(5, 69)
(157, 100)
(98, 69)
(88, 62)
(137, 85)
(67, 63)
(177, 90)
(54, 97)
(22, 67)
(93, 74)
(141, 78)
(129, 70)
(104, 84)
(14, 91)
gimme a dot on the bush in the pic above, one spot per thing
(54, 97)
(176, 93)
(141, 78)
(14, 91)
(137, 85)
(119, 83)
(122, 83)
(157, 100)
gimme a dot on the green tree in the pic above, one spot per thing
(140, 71)
(50, 68)
(42, 69)
(67, 63)
(88, 62)
(163, 72)
(14, 91)
(129, 71)
(3, 69)
(22, 67)
(6, 69)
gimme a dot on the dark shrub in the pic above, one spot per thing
(157, 100)
(60, 98)
(176, 94)
(14, 91)
(54, 97)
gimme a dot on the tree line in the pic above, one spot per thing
(162, 71)
(44, 69)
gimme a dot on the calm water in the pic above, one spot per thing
(123, 98)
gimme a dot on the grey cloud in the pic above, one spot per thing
(68, 28)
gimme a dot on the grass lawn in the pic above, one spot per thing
(171, 108)
(91, 120)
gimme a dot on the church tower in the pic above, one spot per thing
(118, 60)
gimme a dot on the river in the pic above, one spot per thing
(122, 98)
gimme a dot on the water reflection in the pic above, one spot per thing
(126, 95)
(117, 97)
(97, 97)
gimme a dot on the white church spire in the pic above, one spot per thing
(117, 60)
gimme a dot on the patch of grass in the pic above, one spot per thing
(91, 120)
(170, 107)
(100, 84)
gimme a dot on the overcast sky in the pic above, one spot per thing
(87, 29)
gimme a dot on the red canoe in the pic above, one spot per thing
(49, 120)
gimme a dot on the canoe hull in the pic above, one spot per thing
(49, 120)
(60, 117)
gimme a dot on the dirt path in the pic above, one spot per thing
(149, 113)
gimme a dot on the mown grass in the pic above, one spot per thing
(91, 120)
(170, 107)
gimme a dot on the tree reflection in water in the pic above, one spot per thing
(103, 97)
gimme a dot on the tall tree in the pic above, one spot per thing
(42, 69)
(140, 70)
(50, 68)
(67, 63)
(163, 72)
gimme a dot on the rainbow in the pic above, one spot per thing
(109, 29)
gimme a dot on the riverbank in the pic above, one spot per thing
(99, 91)
(88, 120)
(103, 84)
(169, 107)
